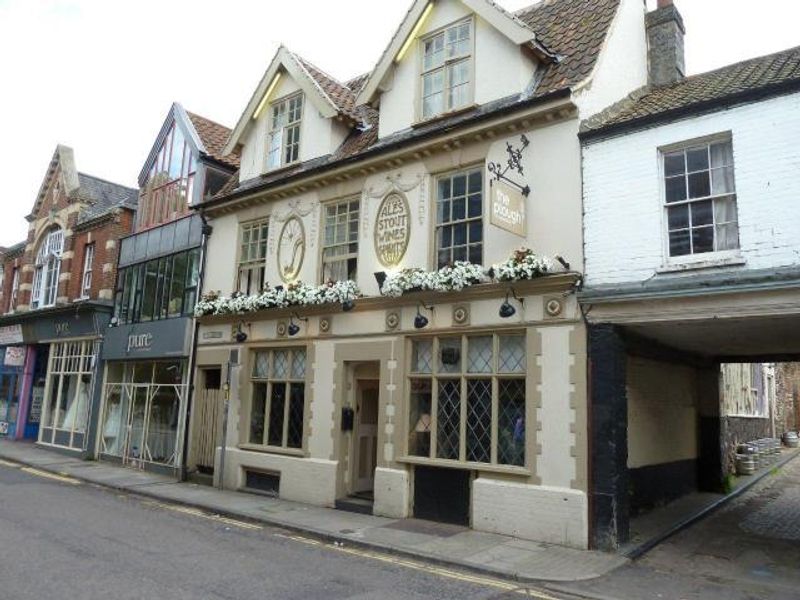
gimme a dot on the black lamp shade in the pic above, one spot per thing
(380, 277)
(241, 337)
(293, 328)
(506, 310)
(348, 305)
(420, 321)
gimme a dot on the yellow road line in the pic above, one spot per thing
(6, 463)
(195, 512)
(53, 476)
(427, 568)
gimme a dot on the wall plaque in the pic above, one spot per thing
(15, 356)
(291, 249)
(508, 209)
(392, 229)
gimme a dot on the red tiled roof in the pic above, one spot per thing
(214, 137)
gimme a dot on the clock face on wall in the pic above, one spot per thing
(291, 249)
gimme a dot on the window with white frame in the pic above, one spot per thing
(467, 398)
(340, 242)
(253, 257)
(88, 265)
(447, 70)
(278, 398)
(12, 301)
(47, 270)
(459, 217)
(284, 131)
(700, 195)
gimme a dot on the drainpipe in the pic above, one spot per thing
(207, 230)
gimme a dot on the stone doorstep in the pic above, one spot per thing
(571, 566)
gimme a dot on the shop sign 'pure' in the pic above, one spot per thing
(392, 230)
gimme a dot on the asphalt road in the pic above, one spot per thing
(64, 539)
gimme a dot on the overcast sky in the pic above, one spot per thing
(100, 75)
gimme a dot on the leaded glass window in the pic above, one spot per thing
(278, 398)
(467, 398)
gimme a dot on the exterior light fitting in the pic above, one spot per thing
(294, 328)
(507, 310)
(240, 336)
(348, 305)
(421, 321)
(268, 93)
(380, 277)
(563, 262)
(413, 35)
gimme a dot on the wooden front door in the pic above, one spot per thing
(366, 435)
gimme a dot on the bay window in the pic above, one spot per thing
(284, 131)
(467, 398)
(700, 199)
(278, 398)
(447, 70)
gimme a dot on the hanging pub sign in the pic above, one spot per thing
(392, 229)
(508, 209)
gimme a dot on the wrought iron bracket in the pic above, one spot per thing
(514, 163)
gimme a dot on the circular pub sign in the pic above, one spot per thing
(392, 229)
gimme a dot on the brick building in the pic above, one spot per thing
(56, 300)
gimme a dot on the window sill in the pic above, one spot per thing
(471, 466)
(294, 452)
(286, 167)
(443, 116)
(711, 262)
(745, 417)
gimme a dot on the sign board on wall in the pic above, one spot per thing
(508, 209)
(14, 356)
(37, 399)
(392, 229)
(10, 334)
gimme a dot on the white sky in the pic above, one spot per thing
(100, 75)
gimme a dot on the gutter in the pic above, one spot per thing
(377, 151)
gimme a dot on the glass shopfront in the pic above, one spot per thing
(144, 409)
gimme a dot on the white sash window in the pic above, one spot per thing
(47, 270)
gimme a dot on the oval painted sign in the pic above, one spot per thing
(392, 229)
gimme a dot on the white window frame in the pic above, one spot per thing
(48, 270)
(88, 265)
(279, 131)
(447, 63)
(697, 259)
(247, 265)
(12, 303)
(440, 225)
(331, 245)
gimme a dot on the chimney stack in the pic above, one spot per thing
(665, 56)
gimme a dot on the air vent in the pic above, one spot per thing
(262, 482)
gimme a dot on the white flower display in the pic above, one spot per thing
(522, 264)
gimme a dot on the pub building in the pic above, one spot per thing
(391, 306)
(57, 301)
(148, 345)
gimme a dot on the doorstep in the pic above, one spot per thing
(489, 553)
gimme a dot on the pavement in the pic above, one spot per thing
(448, 545)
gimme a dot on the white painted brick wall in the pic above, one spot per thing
(540, 513)
(623, 213)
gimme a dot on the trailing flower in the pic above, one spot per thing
(295, 294)
(447, 279)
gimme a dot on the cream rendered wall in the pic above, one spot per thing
(222, 254)
(624, 228)
(318, 135)
(500, 69)
(622, 66)
(662, 413)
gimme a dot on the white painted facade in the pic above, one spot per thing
(624, 218)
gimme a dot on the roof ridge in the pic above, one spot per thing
(323, 71)
(96, 178)
(304, 64)
(212, 121)
(739, 63)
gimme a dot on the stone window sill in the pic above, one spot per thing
(703, 263)
(471, 466)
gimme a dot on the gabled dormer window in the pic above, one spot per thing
(284, 131)
(447, 70)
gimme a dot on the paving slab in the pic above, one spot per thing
(499, 555)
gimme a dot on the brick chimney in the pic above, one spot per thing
(665, 33)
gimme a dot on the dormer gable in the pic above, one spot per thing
(297, 113)
(59, 185)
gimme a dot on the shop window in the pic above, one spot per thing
(459, 218)
(340, 242)
(278, 398)
(467, 399)
(161, 288)
(253, 257)
(68, 394)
